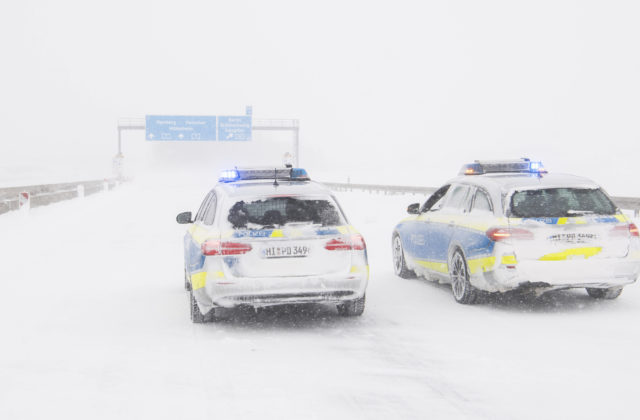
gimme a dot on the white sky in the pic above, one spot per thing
(413, 87)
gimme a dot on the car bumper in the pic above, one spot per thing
(553, 275)
(221, 291)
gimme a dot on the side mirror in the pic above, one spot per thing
(414, 208)
(184, 218)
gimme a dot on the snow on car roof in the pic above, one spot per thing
(266, 187)
(507, 182)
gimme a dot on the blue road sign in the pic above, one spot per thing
(180, 128)
(234, 128)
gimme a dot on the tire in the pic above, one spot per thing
(463, 291)
(610, 293)
(399, 262)
(352, 307)
(187, 282)
(196, 315)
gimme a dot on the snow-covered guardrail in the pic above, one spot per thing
(626, 203)
(41, 195)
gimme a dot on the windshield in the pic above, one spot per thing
(561, 202)
(274, 212)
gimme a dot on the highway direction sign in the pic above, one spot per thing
(180, 128)
(234, 128)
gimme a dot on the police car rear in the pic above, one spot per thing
(510, 225)
(277, 238)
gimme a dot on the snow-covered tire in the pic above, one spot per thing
(611, 293)
(352, 307)
(187, 282)
(399, 262)
(196, 315)
(463, 291)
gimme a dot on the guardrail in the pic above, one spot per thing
(41, 195)
(626, 203)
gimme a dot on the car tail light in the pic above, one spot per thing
(225, 248)
(500, 234)
(624, 230)
(355, 242)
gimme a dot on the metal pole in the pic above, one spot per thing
(119, 141)
(297, 146)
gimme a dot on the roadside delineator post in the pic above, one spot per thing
(24, 201)
(80, 191)
(105, 186)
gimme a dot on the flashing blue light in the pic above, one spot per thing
(537, 167)
(299, 174)
(229, 175)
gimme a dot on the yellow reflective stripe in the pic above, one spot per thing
(435, 266)
(277, 233)
(562, 220)
(622, 218)
(201, 234)
(481, 264)
(560, 256)
(359, 269)
(509, 259)
(198, 280)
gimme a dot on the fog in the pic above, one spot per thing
(401, 92)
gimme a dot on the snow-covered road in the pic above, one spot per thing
(94, 325)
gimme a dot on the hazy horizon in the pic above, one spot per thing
(401, 93)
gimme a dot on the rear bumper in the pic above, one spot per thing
(553, 275)
(229, 292)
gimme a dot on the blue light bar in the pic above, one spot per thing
(523, 165)
(229, 175)
(245, 174)
(299, 174)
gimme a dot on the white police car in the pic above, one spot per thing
(507, 225)
(268, 237)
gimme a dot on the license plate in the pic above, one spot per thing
(574, 238)
(289, 251)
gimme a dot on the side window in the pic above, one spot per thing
(481, 203)
(435, 201)
(457, 198)
(210, 213)
(203, 207)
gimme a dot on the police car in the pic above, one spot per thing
(510, 225)
(267, 237)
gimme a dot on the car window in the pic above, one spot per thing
(275, 212)
(481, 203)
(435, 200)
(210, 212)
(457, 198)
(203, 207)
(561, 202)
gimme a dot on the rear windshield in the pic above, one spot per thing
(560, 202)
(275, 212)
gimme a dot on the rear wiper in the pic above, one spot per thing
(579, 212)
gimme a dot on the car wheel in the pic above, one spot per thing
(611, 293)
(399, 262)
(463, 291)
(352, 307)
(196, 315)
(187, 282)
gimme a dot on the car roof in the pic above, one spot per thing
(264, 187)
(505, 182)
